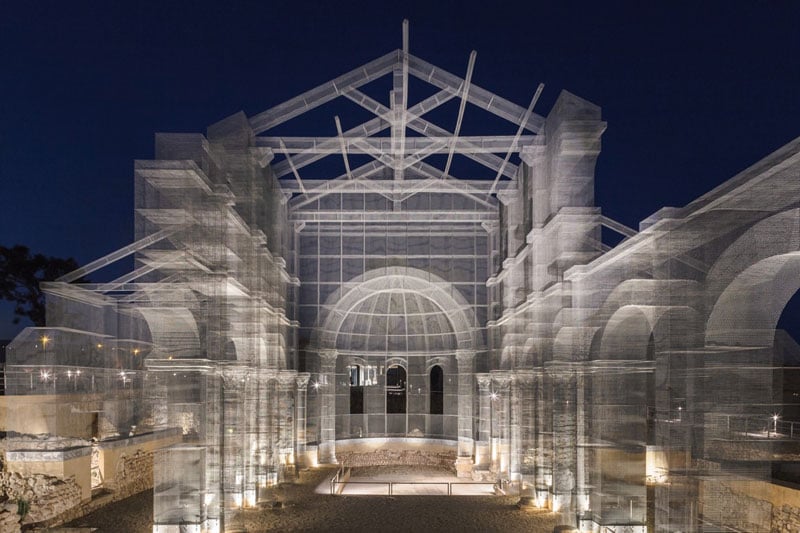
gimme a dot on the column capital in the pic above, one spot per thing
(301, 380)
(233, 376)
(327, 355)
(484, 381)
(501, 379)
(465, 355)
(465, 359)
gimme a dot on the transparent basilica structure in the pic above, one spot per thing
(398, 283)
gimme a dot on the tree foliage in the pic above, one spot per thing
(20, 275)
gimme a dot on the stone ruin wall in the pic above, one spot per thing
(46, 497)
(52, 500)
(753, 506)
(398, 457)
(134, 474)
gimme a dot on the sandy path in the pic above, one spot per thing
(304, 510)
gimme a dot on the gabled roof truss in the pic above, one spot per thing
(398, 156)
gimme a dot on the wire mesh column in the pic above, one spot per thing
(327, 381)
(466, 359)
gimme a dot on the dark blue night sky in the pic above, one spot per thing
(692, 93)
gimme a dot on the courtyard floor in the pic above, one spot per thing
(306, 509)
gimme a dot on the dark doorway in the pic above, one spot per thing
(437, 391)
(395, 390)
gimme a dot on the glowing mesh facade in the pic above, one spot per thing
(271, 316)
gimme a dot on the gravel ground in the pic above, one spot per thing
(131, 515)
(305, 510)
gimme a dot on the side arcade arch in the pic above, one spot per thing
(752, 281)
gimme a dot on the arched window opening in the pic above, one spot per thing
(395, 390)
(437, 391)
(789, 321)
(786, 350)
(357, 379)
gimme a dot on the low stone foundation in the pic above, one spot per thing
(749, 505)
(134, 474)
(9, 518)
(45, 496)
(397, 451)
(753, 450)
(126, 466)
(399, 457)
(785, 519)
(735, 509)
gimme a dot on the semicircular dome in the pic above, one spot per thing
(396, 321)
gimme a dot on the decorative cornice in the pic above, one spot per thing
(287, 378)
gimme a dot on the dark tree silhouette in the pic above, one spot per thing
(20, 275)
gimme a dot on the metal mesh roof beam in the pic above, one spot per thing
(497, 144)
(462, 216)
(478, 96)
(399, 106)
(294, 170)
(519, 132)
(619, 227)
(360, 187)
(118, 254)
(366, 129)
(390, 162)
(460, 119)
(324, 93)
(342, 145)
(361, 172)
(427, 128)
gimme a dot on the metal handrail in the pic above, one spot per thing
(749, 427)
(335, 479)
(390, 484)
